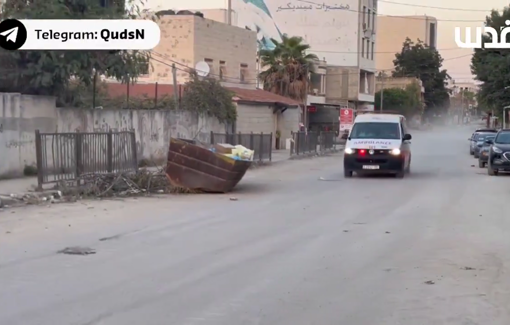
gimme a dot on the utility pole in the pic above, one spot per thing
(382, 91)
(229, 12)
(176, 90)
(462, 104)
(305, 115)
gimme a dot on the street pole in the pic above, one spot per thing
(382, 91)
(462, 104)
(176, 93)
(305, 115)
(229, 12)
(504, 116)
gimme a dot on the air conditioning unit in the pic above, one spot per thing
(364, 26)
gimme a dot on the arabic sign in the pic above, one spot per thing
(330, 27)
(305, 5)
(346, 119)
(477, 44)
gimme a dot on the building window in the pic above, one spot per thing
(373, 49)
(363, 47)
(369, 16)
(368, 48)
(243, 72)
(210, 62)
(432, 38)
(373, 21)
(223, 70)
(364, 17)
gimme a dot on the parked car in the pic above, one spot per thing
(474, 137)
(480, 140)
(484, 151)
(499, 153)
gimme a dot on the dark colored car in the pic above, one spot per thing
(499, 153)
(484, 151)
(479, 142)
(474, 138)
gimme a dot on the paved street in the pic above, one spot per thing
(300, 246)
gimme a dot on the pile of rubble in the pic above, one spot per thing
(143, 182)
(20, 199)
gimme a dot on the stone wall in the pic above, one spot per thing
(153, 128)
(21, 115)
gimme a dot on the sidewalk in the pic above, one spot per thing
(18, 185)
(29, 184)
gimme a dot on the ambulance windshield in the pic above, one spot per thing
(376, 130)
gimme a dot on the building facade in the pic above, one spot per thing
(343, 35)
(393, 31)
(187, 40)
(230, 54)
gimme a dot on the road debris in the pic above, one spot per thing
(429, 282)
(233, 199)
(328, 180)
(77, 250)
(388, 232)
(110, 238)
(468, 268)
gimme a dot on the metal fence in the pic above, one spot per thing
(313, 142)
(70, 156)
(261, 143)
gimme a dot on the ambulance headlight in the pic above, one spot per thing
(348, 151)
(395, 151)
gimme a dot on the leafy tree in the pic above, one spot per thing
(208, 96)
(420, 61)
(52, 72)
(492, 66)
(404, 101)
(286, 68)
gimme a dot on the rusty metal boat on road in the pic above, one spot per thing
(195, 167)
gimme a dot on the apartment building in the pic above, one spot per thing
(230, 54)
(353, 84)
(456, 87)
(188, 40)
(393, 31)
(341, 35)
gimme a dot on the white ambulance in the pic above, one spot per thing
(378, 143)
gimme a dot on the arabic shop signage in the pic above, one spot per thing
(307, 5)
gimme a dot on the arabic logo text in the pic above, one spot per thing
(477, 44)
(307, 5)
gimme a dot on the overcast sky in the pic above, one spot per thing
(458, 68)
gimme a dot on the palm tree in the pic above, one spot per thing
(287, 67)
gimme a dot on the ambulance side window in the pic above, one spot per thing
(402, 131)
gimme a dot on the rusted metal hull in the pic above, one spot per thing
(197, 168)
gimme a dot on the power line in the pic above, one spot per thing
(433, 7)
(387, 52)
(255, 81)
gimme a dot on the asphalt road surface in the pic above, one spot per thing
(294, 249)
